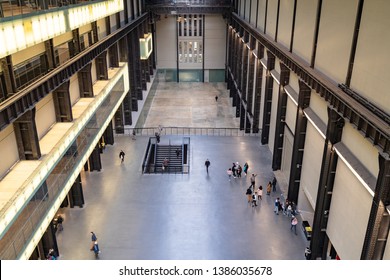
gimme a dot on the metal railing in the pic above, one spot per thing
(186, 131)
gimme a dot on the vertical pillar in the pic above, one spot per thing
(379, 221)
(95, 34)
(280, 118)
(109, 134)
(49, 241)
(27, 136)
(258, 85)
(101, 66)
(95, 162)
(76, 195)
(9, 76)
(139, 73)
(114, 55)
(74, 46)
(50, 54)
(299, 142)
(62, 103)
(269, 84)
(85, 81)
(334, 131)
(119, 124)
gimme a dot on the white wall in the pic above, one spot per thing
(291, 114)
(311, 163)
(166, 43)
(45, 115)
(253, 12)
(30, 52)
(261, 15)
(271, 18)
(361, 148)
(8, 150)
(335, 38)
(93, 71)
(304, 28)
(348, 214)
(215, 42)
(319, 106)
(285, 22)
(74, 89)
(371, 66)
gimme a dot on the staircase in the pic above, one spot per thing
(175, 162)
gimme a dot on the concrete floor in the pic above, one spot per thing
(180, 217)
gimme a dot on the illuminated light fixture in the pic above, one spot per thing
(354, 171)
(146, 46)
(290, 95)
(313, 123)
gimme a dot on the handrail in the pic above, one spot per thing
(188, 131)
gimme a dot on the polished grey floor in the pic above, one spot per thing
(196, 216)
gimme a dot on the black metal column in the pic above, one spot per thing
(113, 54)
(50, 54)
(269, 85)
(299, 142)
(101, 66)
(9, 76)
(95, 162)
(119, 121)
(109, 134)
(27, 136)
(62, 103)
(49, 241)
(319, 239)
(258, 86)
(76, 195)
(379, 222)
(85, 81)
(280, 118)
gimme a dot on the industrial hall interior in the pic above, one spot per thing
(194, 130)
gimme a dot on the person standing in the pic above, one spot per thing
(122, 155)
(239, 170)
(294, 222)
(134, 135)
(234, 170)
(207, 164)
(269, 186)
(277, 204)
(254, 199)
(245, 169)
(274, 184)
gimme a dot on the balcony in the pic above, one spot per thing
(189, 6)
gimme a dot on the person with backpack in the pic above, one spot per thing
(122, 155)
(254, 199)
(249, 194)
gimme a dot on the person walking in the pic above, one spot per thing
(253, 180)
(59, 223)
(245, 169)
(294, 222)
(229, 173)
(234, 170)
(93, 239)
(207, 164)
(165, 164)
(260, 193)
(249, 194)
(254, 199)
(122, 155)
(134, 135)
(216, 98)
(239, 170)
(269, 187)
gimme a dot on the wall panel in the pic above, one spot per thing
(74, 89)
(261, 15)
(253, 12)
(304, 28)
(93, 71)
(215, 41)
(59, 40)
(285, 22)
(28, 53)
(8, 150)
(348, 214)
(311, 164)
(291, 114)
(166, 43)
(335, 38)
(45, 115)
(319, 106)
(371, 73)
(271, 18)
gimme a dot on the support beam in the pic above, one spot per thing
(280, 118)
(379, 221)
(319, 240)
(85, 81)
(62, 103)
(269, 86)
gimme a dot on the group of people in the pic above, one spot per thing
(236, 170)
